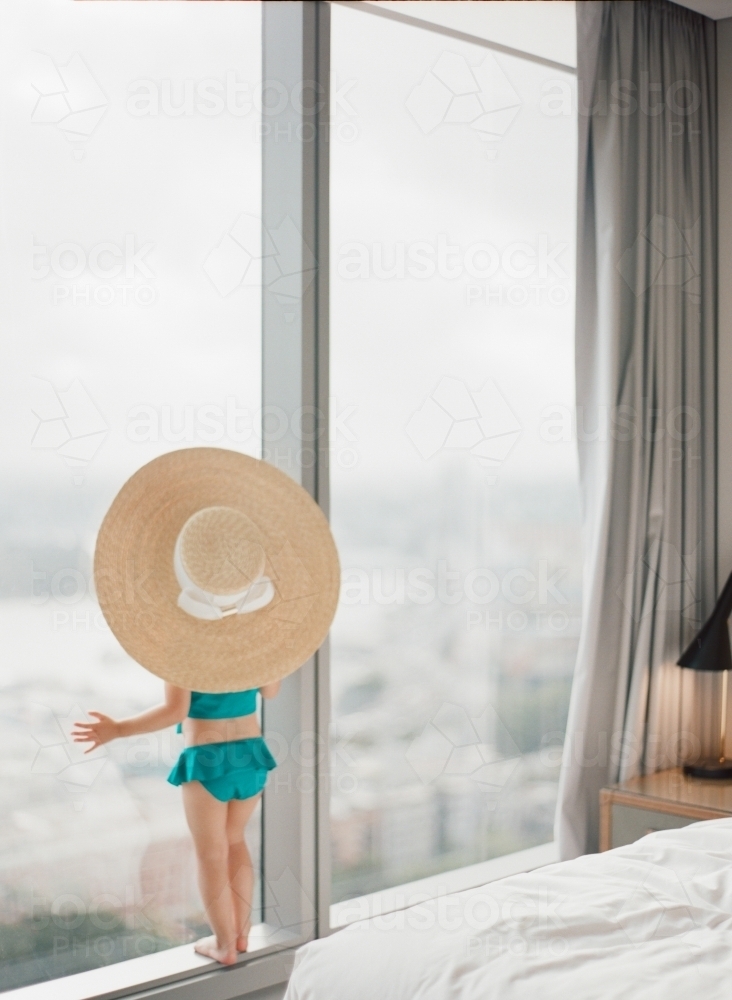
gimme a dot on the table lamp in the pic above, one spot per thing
(710, 650)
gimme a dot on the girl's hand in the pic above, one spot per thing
(96, 733)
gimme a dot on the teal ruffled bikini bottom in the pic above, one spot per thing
(237, 769)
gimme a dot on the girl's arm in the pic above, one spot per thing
(175, 709)
(270, 690)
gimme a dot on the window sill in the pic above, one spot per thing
(402, 896)
(181, 974)
(182, 966)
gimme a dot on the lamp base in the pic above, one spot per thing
(713, 768)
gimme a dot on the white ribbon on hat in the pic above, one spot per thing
(212, 607)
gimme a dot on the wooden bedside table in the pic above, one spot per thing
(663, 801)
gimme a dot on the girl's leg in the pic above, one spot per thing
(207, 822)
(241, 871)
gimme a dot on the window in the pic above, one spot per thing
(454, 480)
(137, 319)
(130, 328)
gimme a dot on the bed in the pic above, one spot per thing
(650, 920)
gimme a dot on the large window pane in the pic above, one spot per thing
(454, 478)
(130, 317)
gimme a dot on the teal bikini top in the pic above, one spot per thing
(222, 706)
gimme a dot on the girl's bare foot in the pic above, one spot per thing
(210, 948)
(242, 941)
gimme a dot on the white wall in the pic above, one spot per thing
(724, 62)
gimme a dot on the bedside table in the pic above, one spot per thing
(662, 801)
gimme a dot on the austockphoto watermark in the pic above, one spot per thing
(152, 752)
(517, 295)
(66, 586)
(501, 620)
(537, 266)
(480, 586)
(619, 749)
(67, 422)
(78, 621)
(623, 423)
(306, 749)
(665, 254)
(478, 96)
(65, 96)
(107, 923)
(103, 274)
(228, 94)
(513, 914)
(229, 422)
(539, 586)
(123, 945)
(623, 97)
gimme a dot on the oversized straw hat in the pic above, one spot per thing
(216, 571)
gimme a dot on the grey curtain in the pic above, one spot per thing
(646, 396)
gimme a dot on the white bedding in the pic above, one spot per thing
(651, 920)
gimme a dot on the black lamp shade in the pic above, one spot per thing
(710, 650)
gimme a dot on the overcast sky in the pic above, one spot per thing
(174, 183)
(157, 184)
(394, 339)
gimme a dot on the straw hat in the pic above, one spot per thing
(216, 571)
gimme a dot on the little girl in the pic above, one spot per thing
(222, 770)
